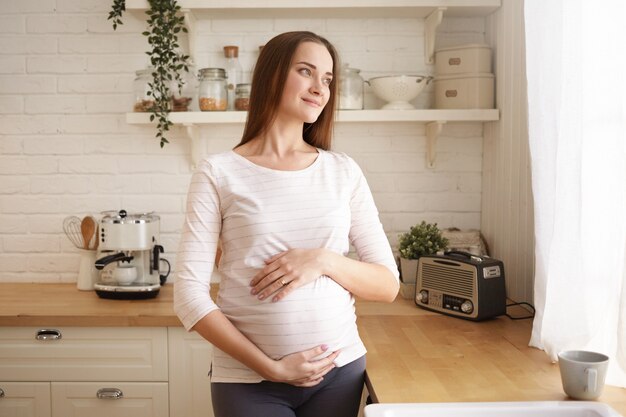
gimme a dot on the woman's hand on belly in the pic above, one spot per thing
(287, 271)
(301, 369)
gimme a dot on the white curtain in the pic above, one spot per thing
(576, 69)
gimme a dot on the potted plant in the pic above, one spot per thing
(422, 239)
(164, 25)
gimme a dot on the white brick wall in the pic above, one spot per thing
(65, 149)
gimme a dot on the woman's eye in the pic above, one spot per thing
(305, 71)
(327, 81)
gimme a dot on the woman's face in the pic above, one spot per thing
(307, 89)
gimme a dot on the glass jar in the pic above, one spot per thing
(350, 89)
(213, 92)
(184, 99)
(242, 97)
(234, 73)
(143, 101)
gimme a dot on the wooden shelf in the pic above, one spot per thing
(347, 116)
(238, 9)
(434, 120)
(431, 10)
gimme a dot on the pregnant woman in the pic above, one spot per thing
(285, 209)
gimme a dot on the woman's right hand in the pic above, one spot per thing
(301, 370)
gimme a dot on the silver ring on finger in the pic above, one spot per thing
(283, 283)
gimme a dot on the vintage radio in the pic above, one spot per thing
(462, 285)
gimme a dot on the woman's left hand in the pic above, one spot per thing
(287, 271)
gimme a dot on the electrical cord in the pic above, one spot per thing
(523, 317)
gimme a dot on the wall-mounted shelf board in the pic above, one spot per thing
(431, 10)
(238, 9)
(417, 115)
(433, 118)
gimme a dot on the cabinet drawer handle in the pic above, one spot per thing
(48, 334)
(110, 394)
(1, 393)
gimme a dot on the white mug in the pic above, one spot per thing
(125, 274)
(583, 373)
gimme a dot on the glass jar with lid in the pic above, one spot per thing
(234, 73)
(242, 97)
(213, 90)
(184, 99)
(143, 101)
(350, 89)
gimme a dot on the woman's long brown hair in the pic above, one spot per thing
(268, 80)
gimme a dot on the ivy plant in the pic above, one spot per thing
(165, 23)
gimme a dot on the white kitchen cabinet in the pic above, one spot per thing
(83, 354)
(104, 371)
(129, 399)
(25, 399)
(189, 362)
(80, 371)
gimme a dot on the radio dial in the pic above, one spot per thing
(422, 297)
(467, 307)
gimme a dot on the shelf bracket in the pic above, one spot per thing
(433, 130)
(196, 149)
(190, 24)
(431, 22)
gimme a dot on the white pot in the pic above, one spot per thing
(87, 273)
(408, 270)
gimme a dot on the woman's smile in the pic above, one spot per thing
(311, 102)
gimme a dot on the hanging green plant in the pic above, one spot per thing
(164, 25)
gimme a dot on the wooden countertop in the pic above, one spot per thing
(420, 356)
(413, 355)
(64, 305)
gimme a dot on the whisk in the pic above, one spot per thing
(71, 227)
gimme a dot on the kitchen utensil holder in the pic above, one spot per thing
(87, 273)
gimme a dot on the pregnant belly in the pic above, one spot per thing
(319, 313)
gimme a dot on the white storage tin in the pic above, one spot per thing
(464, 91)
(463, 58)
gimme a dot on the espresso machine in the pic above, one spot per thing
(129, 256)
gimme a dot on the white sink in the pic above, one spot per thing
(493, 409)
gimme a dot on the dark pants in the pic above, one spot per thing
(338, 395)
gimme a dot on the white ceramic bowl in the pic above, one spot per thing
(398, 90)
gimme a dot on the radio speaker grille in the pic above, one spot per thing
(448, 280)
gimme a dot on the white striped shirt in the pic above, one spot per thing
(258, 212)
